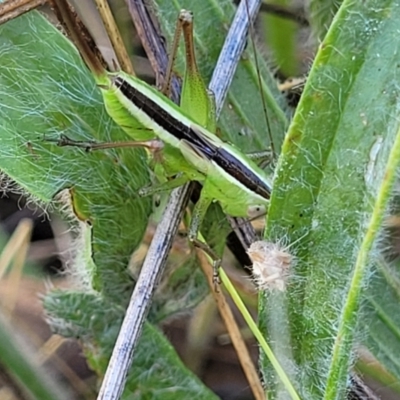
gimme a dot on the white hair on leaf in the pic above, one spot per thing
(271, 264)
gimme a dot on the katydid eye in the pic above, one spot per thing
(256, 211)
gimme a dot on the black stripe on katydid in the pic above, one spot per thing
(163, 118)
(223, 158)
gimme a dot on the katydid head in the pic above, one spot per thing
(255, 211)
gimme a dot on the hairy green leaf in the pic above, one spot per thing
(46, 91)
(331, 190)
(157, 370)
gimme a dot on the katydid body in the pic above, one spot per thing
(227, 175)
(190, 151)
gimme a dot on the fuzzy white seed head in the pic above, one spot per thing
(271, 264)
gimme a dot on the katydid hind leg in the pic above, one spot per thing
(197, 219)
(166, 88)
(215, 258)
(154, 145)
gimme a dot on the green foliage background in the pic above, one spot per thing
(332, 189)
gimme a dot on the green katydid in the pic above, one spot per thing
(189, 150)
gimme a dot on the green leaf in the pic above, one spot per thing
(168, 378)
(157, 372)
(330, 193)
(47, 91)
(17, 360)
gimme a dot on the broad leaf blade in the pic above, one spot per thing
(46, 91)
(332, 167)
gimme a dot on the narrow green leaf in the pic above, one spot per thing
(17, 360)
(330, 191)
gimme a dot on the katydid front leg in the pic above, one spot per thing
(154, 145)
